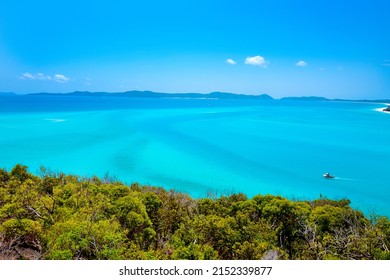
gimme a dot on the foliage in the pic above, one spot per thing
(58, 216)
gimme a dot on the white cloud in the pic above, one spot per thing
(43, 77)
(256, 60)
(40, 76)
(231, 61)
(60, 78)
(301, 63)
(27, 76)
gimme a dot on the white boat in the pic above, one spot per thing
(328, 176)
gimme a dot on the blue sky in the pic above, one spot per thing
(282, 48)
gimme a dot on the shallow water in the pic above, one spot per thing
(207, 146)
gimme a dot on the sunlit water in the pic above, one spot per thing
(205, 147)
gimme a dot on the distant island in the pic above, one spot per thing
(152, 94)
(7, 93)
(211, 95)
(306, 98)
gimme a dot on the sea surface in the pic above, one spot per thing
(207, 146)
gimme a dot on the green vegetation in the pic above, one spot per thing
(58, 216)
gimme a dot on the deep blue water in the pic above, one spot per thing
(202, 146)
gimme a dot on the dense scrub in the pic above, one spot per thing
(58, 216)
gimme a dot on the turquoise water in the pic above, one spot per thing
(207, 147)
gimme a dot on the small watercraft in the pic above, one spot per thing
(328, 176)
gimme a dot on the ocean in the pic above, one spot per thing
(207, 147)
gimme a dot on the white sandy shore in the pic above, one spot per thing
(381, 110)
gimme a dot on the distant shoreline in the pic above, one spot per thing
(189, 95)
(383, 109)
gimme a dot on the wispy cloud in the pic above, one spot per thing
(27, 76)
(256, 60)
(59, 78)
(88, 81)
(231, 61)
(386, 63)
(37, 76)
(301, 63)
(40, 76)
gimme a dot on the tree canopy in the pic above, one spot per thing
(60, 216)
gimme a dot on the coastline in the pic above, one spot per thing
(383, 109)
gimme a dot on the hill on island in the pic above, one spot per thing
(211, 95)
(151, 94)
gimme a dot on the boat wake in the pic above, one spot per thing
(345, 179)
(55, 120)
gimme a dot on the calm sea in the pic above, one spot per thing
(204, 147)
